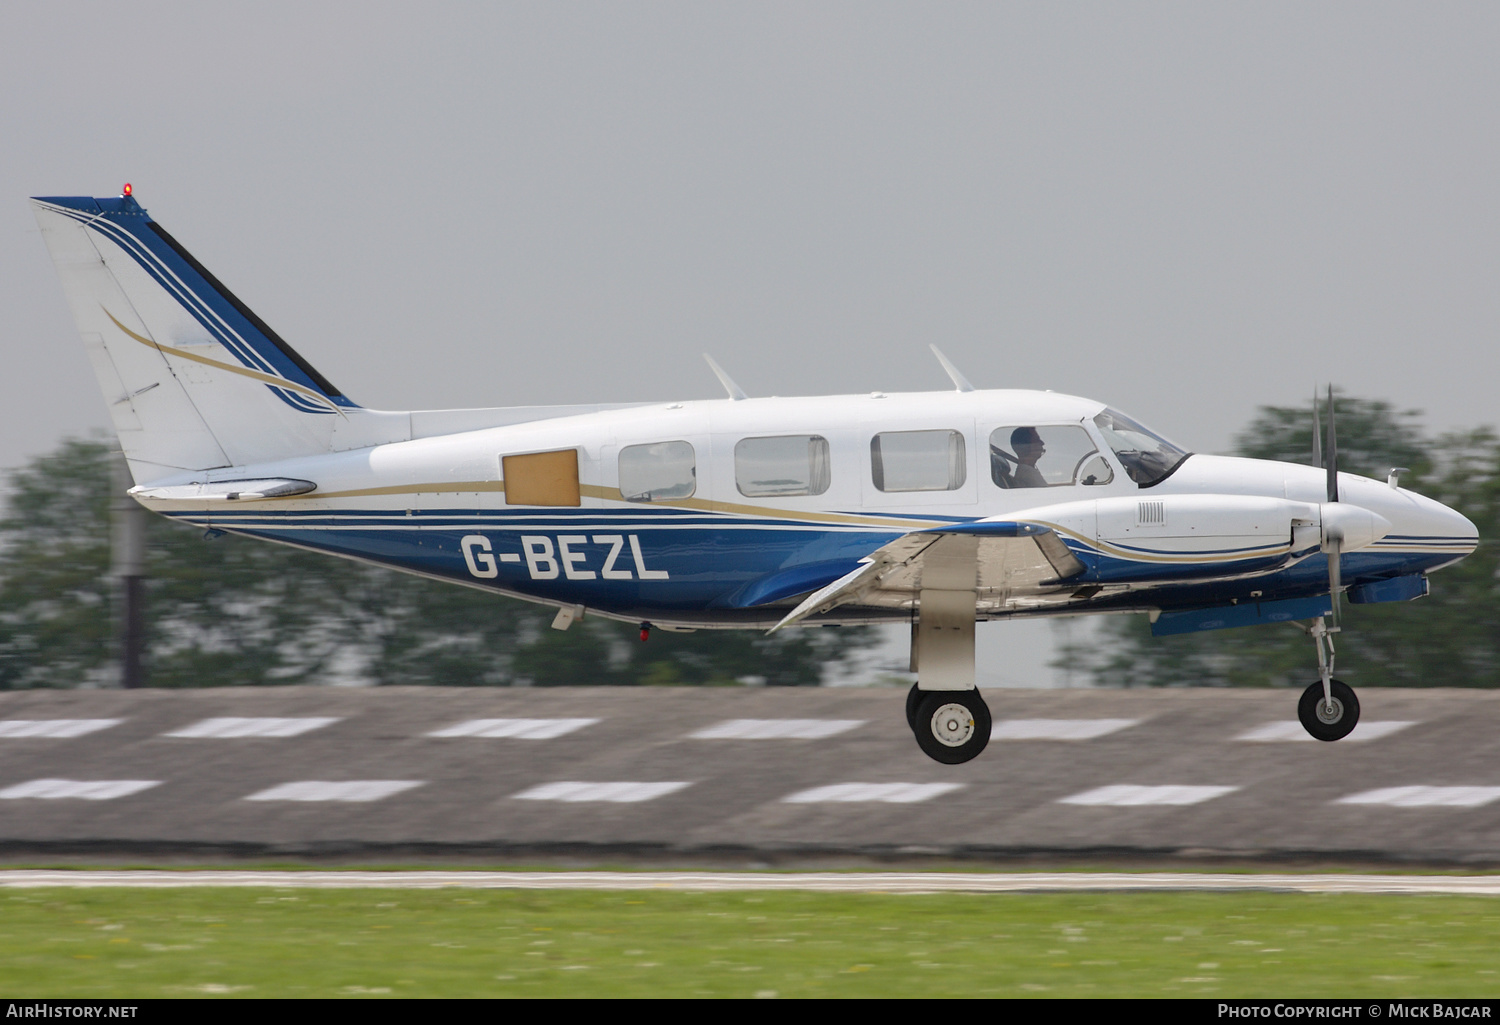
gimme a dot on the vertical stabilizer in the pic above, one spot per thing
(193, 379)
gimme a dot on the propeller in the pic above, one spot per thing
(1344, 525)
(1333, 452)
(1317, 459)
(1333, 534)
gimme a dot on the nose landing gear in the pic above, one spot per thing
(1332, 717)
(1328, 709)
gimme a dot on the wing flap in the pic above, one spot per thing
(1007, 565)
(1062, 559)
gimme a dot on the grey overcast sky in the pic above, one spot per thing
(1186, 210)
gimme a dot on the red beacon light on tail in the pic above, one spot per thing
(127, 190)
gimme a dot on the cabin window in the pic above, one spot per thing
(1028, 456)
(918, 461)
(541, 478)
(659, 472)
(794, 464)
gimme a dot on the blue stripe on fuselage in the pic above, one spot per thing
(702, 567)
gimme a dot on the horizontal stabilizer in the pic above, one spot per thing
(227, 490)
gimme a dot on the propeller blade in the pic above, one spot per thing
(1317, 433)
(1335, 576)
(1332, 449)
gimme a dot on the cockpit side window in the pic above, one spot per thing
(1148, 458)
(1046, 457)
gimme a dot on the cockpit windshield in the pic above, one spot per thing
(1148, 457)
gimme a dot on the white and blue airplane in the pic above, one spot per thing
(936, 509)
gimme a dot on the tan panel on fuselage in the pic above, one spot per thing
(541, 478)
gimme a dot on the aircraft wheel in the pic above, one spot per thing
(952, 726)
(913, 699)
(1327, 722)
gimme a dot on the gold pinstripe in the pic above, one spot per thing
(271, 379)
(588, 490)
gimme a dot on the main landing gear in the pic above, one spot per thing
(951, 726)
(1328, 709)
(944, 710)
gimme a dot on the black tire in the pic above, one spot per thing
(952, 726)
(913, 698)
(1323, 724)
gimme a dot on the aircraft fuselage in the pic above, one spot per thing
(698, 551)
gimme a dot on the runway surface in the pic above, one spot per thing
(739, 778)
(818, 882)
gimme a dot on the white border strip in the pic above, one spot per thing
(826, 882)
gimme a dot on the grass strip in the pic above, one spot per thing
(468, 943)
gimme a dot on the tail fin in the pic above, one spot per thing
(194, 380)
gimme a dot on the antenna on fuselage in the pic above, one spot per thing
(959, 380)
(735, 391)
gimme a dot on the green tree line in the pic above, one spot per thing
(238, 612)
(1451, 638)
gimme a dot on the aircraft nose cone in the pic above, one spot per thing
(1426, 525)
(1421, 529)
(1451, 523)
(1438, 521)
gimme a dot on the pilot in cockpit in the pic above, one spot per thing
(1027, 444)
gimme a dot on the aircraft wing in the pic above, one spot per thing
(1008, 565)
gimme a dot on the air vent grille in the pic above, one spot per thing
(1152, 514)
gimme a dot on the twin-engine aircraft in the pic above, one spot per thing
(936, 509)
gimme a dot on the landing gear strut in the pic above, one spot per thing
(944, 710)
(1328, 709)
